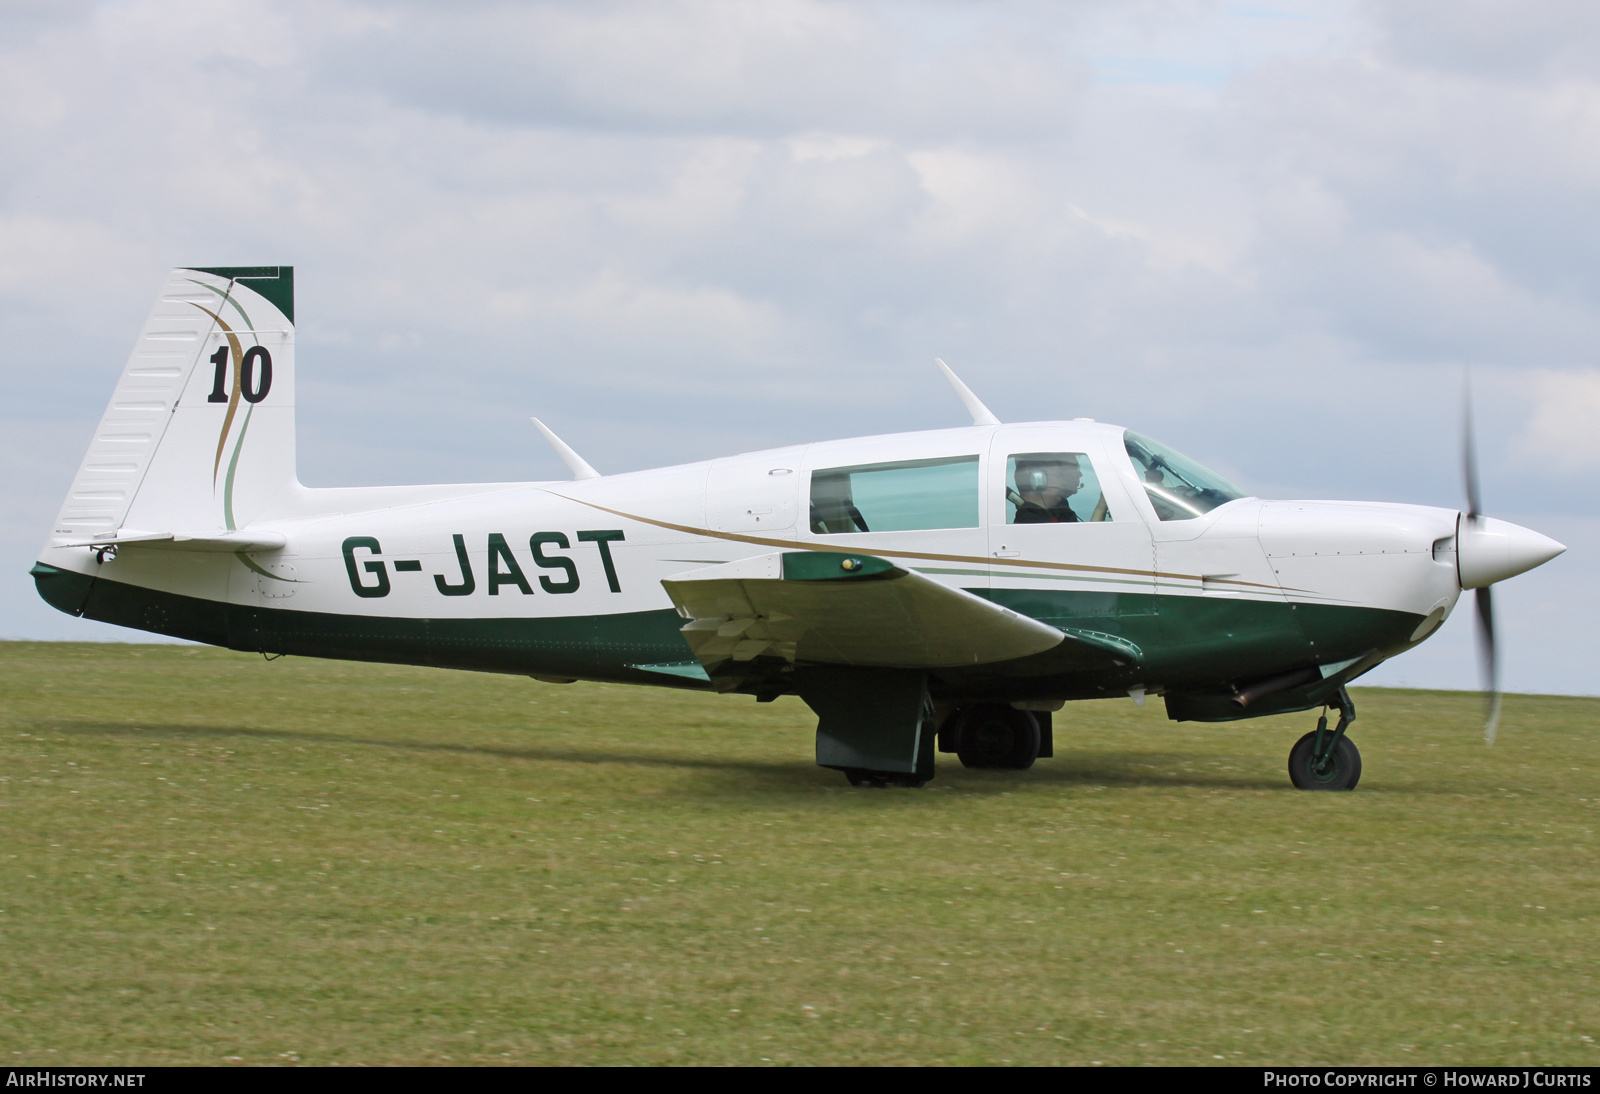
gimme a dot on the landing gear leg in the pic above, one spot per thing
(1327, 761)
(874, 725)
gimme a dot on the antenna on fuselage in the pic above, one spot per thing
(981, 415)
(580, 468)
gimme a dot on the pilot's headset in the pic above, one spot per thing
(1033, 478)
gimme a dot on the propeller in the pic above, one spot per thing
(1488, 657)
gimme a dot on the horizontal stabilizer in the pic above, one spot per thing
(230, 542)
(825, 607)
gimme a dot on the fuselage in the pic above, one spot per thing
(563, 579)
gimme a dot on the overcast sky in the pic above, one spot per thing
(1270, 234)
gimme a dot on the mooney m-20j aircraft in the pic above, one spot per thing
(921, 592)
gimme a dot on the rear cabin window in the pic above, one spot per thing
(1053, 488)
(895, 497)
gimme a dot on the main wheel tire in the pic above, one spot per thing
(879, 780)
(860, 776)
(1341, 771)
(992, 735)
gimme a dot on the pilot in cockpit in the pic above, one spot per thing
(1043, 487)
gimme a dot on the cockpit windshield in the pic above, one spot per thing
(1179, 488)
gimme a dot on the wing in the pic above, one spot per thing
(826, 607)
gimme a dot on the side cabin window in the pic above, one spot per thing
(1053, 488)
(896, 497)
(1179, 488)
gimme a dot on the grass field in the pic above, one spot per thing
(208, 858)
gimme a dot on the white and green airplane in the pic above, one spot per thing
(937, 591)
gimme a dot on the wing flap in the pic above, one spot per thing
(830, 608)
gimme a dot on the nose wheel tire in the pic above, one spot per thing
(1339, 770)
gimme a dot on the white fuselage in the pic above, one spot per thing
(652, 525)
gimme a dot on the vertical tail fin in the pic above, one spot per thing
(199, 434)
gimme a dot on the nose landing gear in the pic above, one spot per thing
(1327, 761)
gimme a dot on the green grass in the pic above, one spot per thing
(207, 857)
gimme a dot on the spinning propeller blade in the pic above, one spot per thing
(1488, 656)
(1469, 452)
(1488, 664)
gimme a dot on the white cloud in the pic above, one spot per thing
(1564, 429)
(648, 315)
(690, 66)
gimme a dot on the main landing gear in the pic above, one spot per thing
(879, 727)
(986, 735)
(873, 725)
(1327, 761)
(992, 735)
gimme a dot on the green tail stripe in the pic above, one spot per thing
(250, 564)
(227, 298)
(233, 463)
